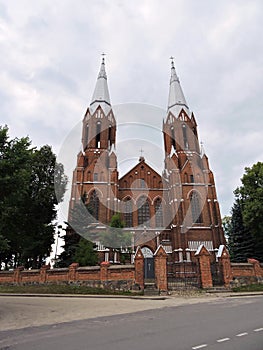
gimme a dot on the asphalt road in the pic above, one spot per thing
(223, 324)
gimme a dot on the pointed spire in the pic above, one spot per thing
(101, 94)
(202, 149)
(176, 99)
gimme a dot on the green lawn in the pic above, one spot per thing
(60, 289)
(250, 288)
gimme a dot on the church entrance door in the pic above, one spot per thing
(148, 263)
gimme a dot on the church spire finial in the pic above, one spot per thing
(176, 99)
(101, 94)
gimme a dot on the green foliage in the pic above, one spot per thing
(251, 193)
(241, 243)
(246, 229)
(78, 245)
(62, 289)
(115, 236)
(85, 254)
(27, 200)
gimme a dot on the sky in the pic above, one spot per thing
(51, 53)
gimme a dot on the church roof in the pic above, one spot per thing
(101, 96)
(138, 165)
(176, 99)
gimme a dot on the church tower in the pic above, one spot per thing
(95, 177)
(191, 188)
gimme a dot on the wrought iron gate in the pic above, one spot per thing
(217, 276)
(182, 275)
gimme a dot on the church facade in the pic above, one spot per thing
(177, 209)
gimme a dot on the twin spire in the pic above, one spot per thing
(101, 96)
(176, 100)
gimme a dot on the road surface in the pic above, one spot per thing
(220, 324)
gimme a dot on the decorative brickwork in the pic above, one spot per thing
(139, 268)
(204, 261)
(160, 264)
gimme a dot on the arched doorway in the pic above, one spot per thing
(148, 263)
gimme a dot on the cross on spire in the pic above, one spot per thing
(103, 56)
(141, 151)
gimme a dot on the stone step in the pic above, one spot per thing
(150, 289)
(218, 289)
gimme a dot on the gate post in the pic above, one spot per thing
(160, 267)
(205, 275)
(225, 265)
(139, 268)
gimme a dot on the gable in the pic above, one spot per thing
(141, 172)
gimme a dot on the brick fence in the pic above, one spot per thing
(129, 277)
(115, 277)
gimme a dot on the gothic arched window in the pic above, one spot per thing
(94, 203)
(158, 213)
(196, 208)
(173, 137)
(87, 134)
(128, 219)
(110, 135)
(98, 131)
(185, 136)
(143, 211)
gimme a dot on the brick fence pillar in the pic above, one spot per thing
(205, 275)
(258, 271)
(139, 268)
(225, 265)
(43, 273)
(17, 274)
(104, 271)
(72, 272)
(160, 269)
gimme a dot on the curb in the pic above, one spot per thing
(87, 296)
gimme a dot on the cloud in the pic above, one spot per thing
(50, 59)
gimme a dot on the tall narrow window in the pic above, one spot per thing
(142, 183)
(196, 208)
(109, 135)
(128, 219)
(87, 134)
(98, 131)
(173, 137)
(94, 203)
(143, 211)
(158, 213)
(185, 136)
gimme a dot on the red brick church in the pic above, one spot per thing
(177, 209)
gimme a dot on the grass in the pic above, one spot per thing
(249, 288)
(60, 289)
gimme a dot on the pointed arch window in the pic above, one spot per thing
(98, 132)
(173, 137)
(128, 219)
(158, 213)
(186, 146)
(87, 134)
(109, 135)
(196, 208)
(94, 203)
(143, 211)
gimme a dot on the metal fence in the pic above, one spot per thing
(182, 275)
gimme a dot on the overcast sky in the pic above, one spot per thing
(50, 57)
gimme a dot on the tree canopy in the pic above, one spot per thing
(246, 230)
(28, 178)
